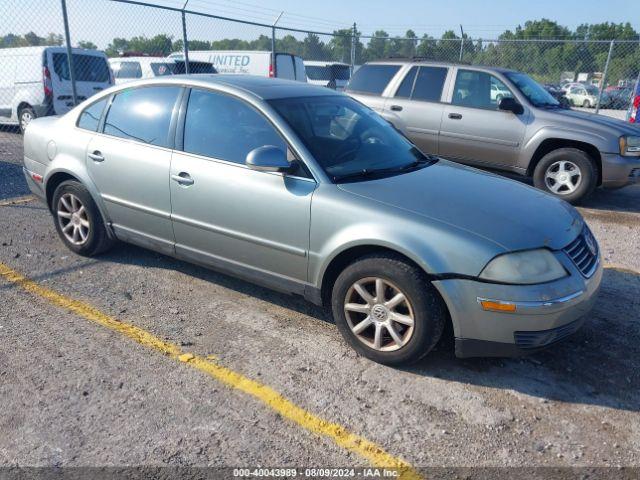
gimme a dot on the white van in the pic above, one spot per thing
(328, 74)
(34, 81)
(127, 69)
(250, 63)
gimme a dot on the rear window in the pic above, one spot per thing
(372, 79)
(87, 68)
(128, 70)
(162, 69)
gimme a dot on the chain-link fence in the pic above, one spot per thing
(126, 39)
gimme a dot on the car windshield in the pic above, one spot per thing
(348, 140)
(591, 90)
(531, 89)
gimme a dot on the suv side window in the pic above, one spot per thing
(226, 128)
(406, 87)
(474, 89)
(129, 70)
(90, 117)
(372, 79)
(142, 114)
(429, 84)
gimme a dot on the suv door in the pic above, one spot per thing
(129, 163)
(227, 215)
(417, 104)
(473, 129)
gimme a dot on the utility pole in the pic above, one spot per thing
(461, 42)
(273, 45)
(353, 48)
(67, 36)
(603, 83)
(185, 40)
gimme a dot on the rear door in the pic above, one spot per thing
(92, 75)
(300, 70)
(473, 129)
(285, 66)
(130, 160)
(7, 84)
(417, 103)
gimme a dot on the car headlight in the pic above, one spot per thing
(629, 145)
(524, 268)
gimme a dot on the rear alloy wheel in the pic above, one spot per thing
(78, 220)
(567, 173)
(387, 309)
(25, 116)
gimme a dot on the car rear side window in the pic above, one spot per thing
(406, 87)
(142, 114)
(90, 116)
(226, 128)
(129, 70)
(429, 83)
(372, 79)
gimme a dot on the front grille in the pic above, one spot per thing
(583, 252)
(543, 338)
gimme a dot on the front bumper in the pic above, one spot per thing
(618, 171)
(545, 313)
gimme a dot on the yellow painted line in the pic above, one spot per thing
(375, 454)
(17, 200)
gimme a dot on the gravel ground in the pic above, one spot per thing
(75, 394)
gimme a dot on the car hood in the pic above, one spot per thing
(585, 120)
(508, 213)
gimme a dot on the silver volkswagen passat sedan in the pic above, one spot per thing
(307, 191)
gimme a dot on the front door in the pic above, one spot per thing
(255, 224)
(417, 103)
(129, 163)
(473, 129)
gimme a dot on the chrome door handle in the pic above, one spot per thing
(96, 156)
(396, 108)
(455, 116)
(183, 178)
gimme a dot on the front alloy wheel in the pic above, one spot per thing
(563, 177)
(379, 314)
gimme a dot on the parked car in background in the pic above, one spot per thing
(35, 81)
(260, 63)
(328, 74)
(308, 191)
(582, 96)
(568, 85)
(498, 92)
(618, 99)
(127, 69)
(632, 115)
(447, 109)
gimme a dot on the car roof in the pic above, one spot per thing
(141, 59)
(420, 61)
(262, 87)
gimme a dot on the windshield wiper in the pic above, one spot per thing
(366, 173)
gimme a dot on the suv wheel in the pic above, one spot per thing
(567, 173)
(78, 221)
(25, 115)
(387, 310)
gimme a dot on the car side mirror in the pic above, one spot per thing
(510, 104)
(268, 158)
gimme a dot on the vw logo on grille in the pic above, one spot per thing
(590, 241)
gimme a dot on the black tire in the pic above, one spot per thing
(427, 306)
(98, 240)
(578, 157)
(25, 111)
(586, 104)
